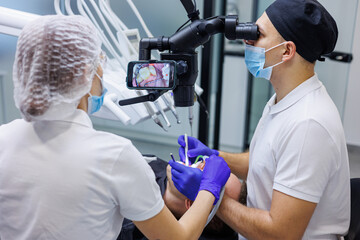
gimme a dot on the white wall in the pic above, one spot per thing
(352, 108)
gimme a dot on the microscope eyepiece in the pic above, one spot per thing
(247, 31)
(235, 30)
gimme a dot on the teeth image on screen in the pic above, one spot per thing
(152, 75)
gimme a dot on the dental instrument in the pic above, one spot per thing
(141, 20)
(125, 54)
(68, 7)
(122, 31)
(12, 22)
(172, 157)
(186, 150)
(170, 105)
(86, 12)
(162, 113)
(202, 105)
(110, 33)
(151, 112)
(57, 7)
(191, 117)
(202, 157)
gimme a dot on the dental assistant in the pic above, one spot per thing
(297, 170)
(60, 178)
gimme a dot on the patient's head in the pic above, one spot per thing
(179, 204)
(232, 187)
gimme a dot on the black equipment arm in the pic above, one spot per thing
(198, 33)
(152, 96)
(182, 44)
(193, 14)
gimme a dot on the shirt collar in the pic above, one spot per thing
(78, 117)
(295, 95)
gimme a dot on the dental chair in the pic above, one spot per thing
(354, 230)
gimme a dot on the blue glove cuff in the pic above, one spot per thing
(215, 152)
(213, 188)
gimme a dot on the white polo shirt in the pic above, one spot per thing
(62, 179)
(299, 149)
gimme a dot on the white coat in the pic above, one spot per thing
(62, 179)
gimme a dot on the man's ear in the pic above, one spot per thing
(188, 203)
(290, 50)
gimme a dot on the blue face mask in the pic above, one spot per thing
(255, 61)
(95, 102)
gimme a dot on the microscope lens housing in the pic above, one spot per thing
(181, 47)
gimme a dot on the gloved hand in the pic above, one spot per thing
(215, 175)
(189, 181)
(186, 179)
(195, 148)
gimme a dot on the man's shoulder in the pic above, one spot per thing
(315, 106)
(321, 109)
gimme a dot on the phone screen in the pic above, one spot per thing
(152, 75)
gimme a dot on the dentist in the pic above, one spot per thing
(297, 170)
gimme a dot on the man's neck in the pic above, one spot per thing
(287, 80)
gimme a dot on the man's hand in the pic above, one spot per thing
(215, 175)
(196, 148)
(190, 180)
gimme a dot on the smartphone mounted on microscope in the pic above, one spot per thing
(177, 70)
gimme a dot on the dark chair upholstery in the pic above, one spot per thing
(354, 230)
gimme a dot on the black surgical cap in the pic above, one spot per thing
(307, 23)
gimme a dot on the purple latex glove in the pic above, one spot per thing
(186, 179)
(215, 175)
(190, 180)
(195, 148)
